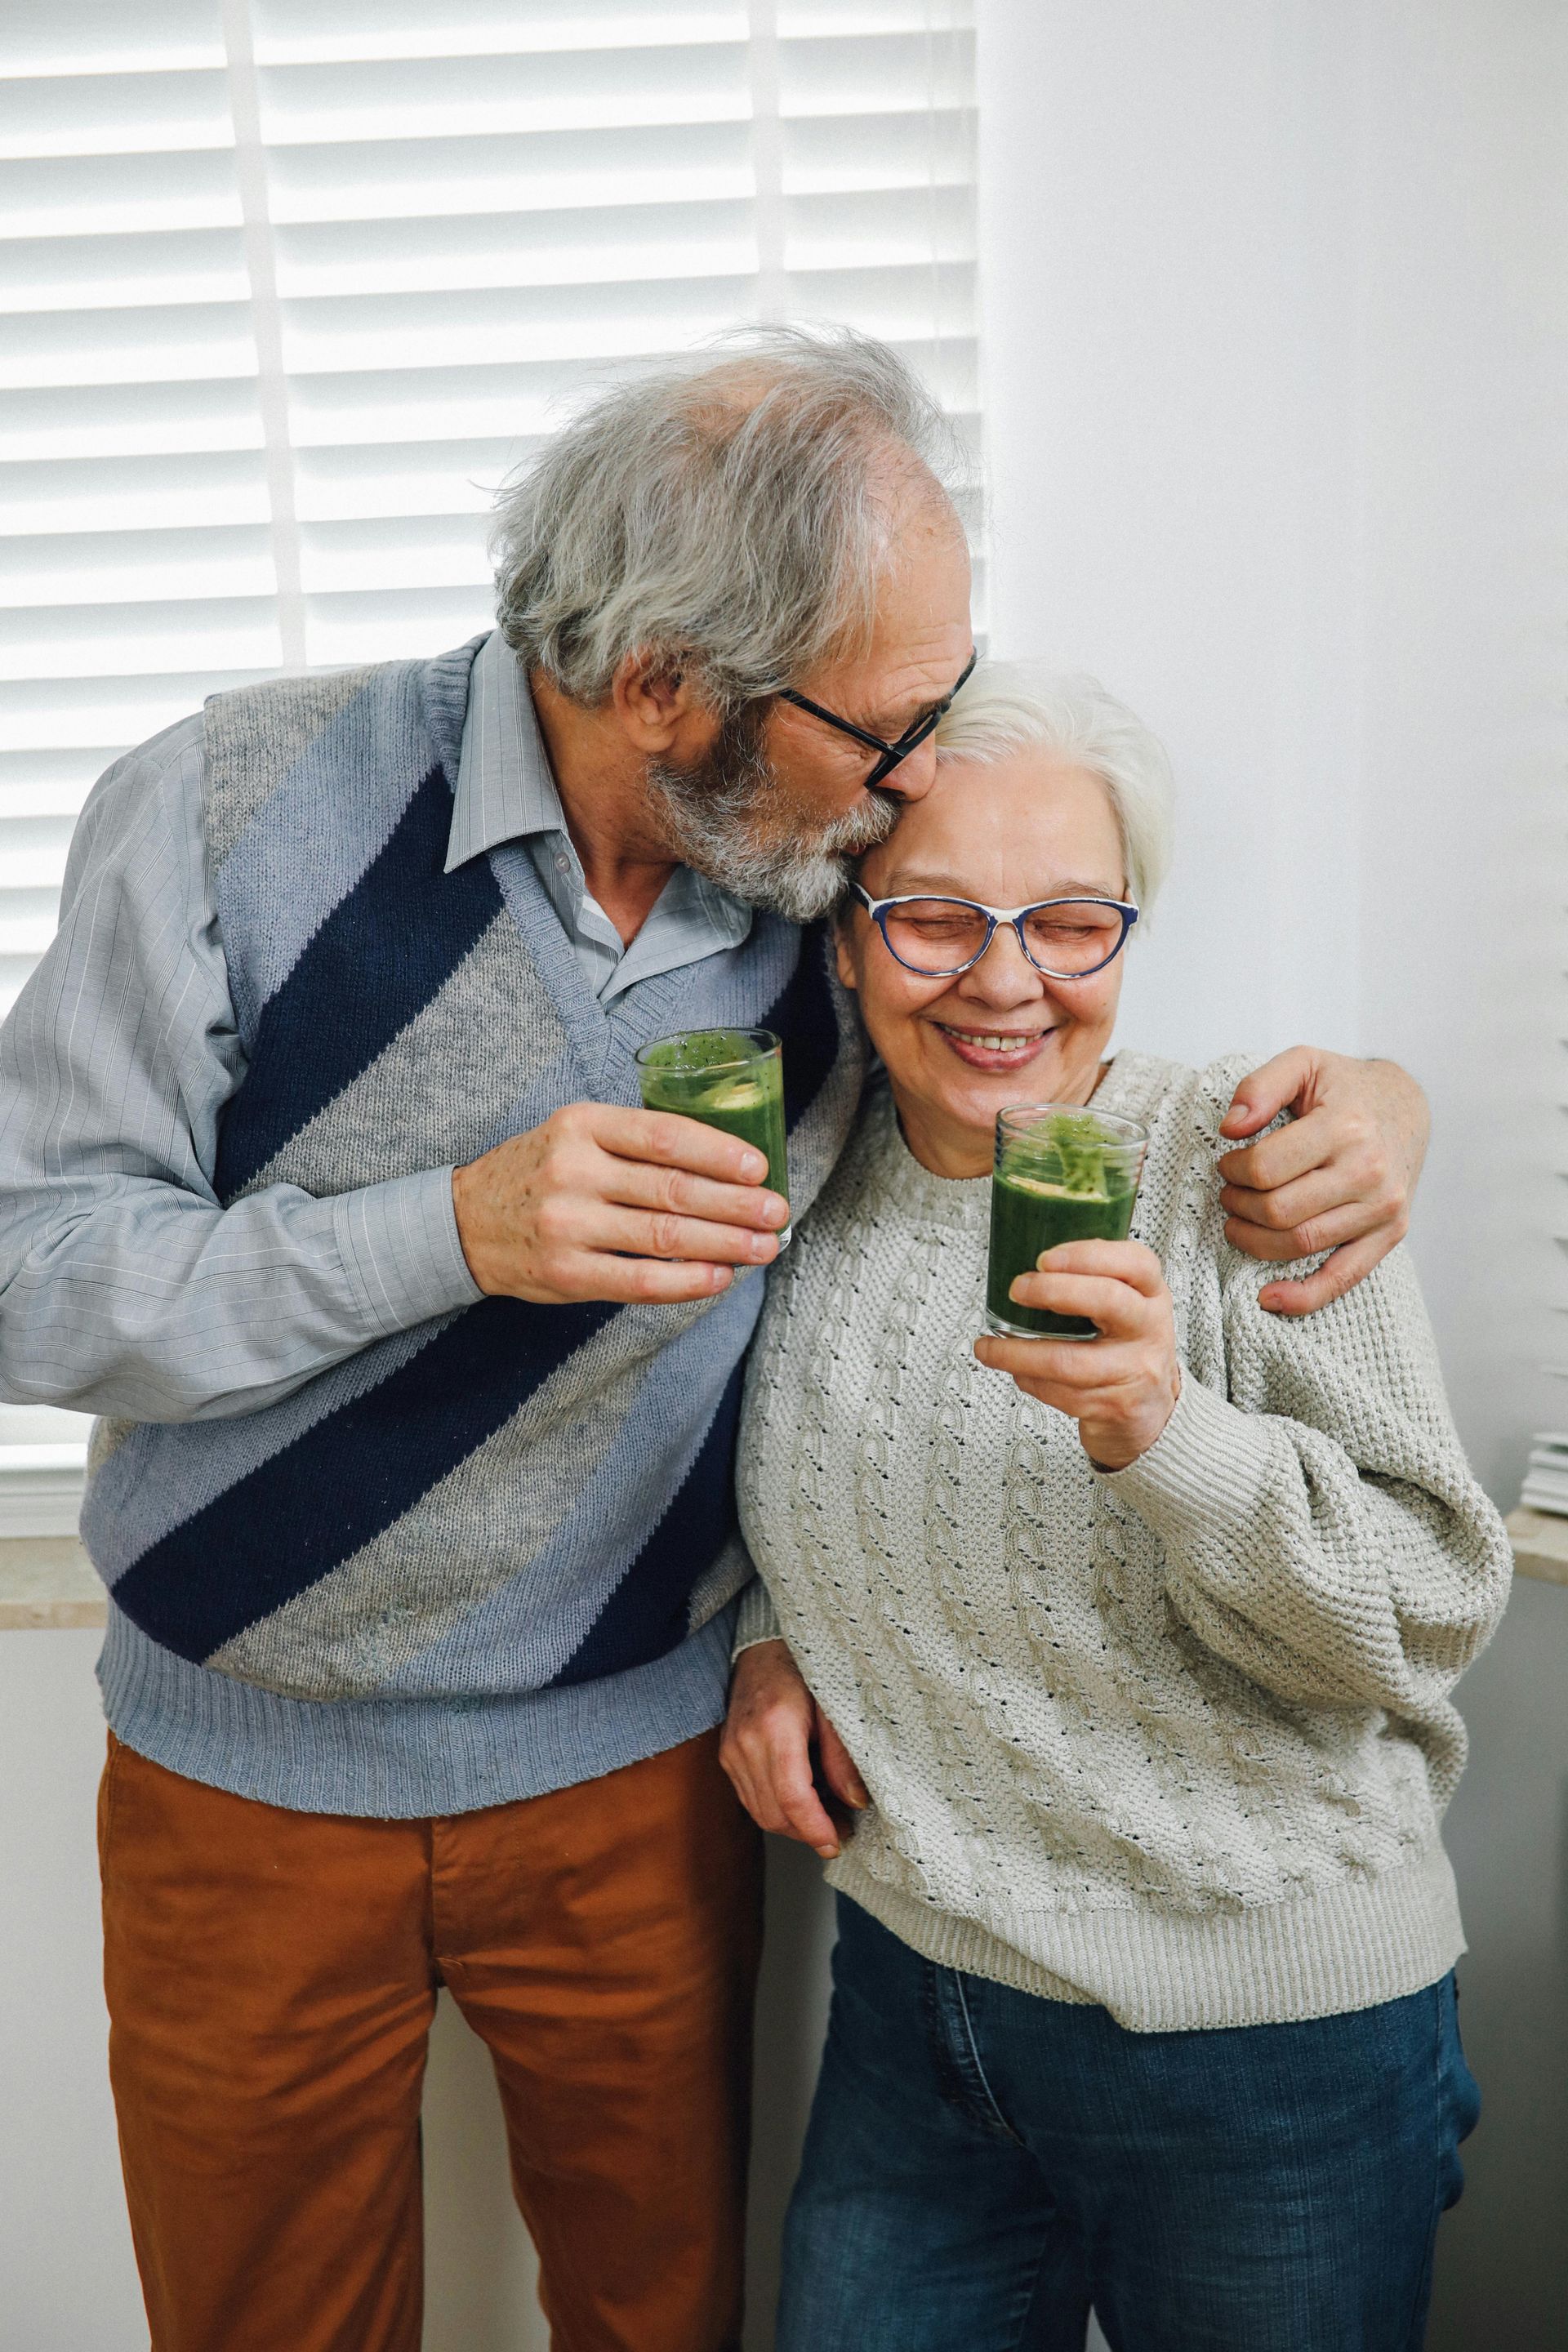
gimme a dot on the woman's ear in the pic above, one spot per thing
(841, 951)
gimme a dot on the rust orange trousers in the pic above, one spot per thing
(271, 1979)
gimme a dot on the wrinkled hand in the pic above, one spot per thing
(773, 1724)
(605, 1202)
(1339, 1177)
(1121, 1389)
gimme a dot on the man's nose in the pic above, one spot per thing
(915, 775)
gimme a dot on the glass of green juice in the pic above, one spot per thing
(729, 1078)
(1061, 1174)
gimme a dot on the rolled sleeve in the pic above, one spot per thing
(756, 1619)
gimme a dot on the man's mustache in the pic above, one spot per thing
(865, 826)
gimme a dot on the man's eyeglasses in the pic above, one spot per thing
(1067, 939)
(910, 740)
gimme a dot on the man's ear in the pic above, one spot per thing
(659, 708)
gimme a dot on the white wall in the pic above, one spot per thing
(1165, 226)
(1275, 311)
(68, 2280)
(1465, 739)
(1276, 321)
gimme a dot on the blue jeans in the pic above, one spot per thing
(983, 2166)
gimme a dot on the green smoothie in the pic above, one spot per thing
(728, 1078)
(1061, 1175)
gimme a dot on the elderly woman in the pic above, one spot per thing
(1135, 1656)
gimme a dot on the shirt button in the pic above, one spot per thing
(563, 864)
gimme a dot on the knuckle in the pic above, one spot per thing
(1372, 1179)
(553, 1219)
(666, 1234)
(557, 1166)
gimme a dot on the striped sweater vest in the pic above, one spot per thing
(513, 1499)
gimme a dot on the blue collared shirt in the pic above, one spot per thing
(506, 792)
(124, 1287)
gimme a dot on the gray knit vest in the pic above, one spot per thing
(513, 1497)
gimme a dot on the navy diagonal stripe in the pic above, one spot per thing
(381, 954)
(645, 1616)
(803, 1017)
(293, 1519)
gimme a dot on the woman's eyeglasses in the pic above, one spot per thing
(1067, 939)
(910, 740)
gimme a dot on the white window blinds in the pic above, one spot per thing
(293, 284)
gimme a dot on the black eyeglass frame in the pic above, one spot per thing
(892, 753)
(994, 915)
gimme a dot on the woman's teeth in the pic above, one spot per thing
(991, 1042)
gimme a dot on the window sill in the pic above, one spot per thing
(1540, 1545)
(40, 1489)
(48, 1581)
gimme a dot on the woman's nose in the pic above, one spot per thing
(1004, 974)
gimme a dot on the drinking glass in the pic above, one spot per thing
(728, 1078)
(1061, 1174)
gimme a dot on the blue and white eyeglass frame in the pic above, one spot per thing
(878, 908)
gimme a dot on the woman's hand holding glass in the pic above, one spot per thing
(1121, 1389)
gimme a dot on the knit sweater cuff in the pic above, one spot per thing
(1206, 1473)
(756, 1619)
(401, 1253)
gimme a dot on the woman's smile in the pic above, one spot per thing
(994, 1049)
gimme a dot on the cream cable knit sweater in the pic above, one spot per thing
(1174, 1739)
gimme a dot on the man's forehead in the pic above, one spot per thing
(903, 687)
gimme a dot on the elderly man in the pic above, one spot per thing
(418, 1347)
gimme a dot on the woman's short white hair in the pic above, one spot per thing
(1011, 707)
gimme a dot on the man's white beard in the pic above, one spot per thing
(723, 817)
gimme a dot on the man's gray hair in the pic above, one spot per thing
(1012, 707)
(730, 517)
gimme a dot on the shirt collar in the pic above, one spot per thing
(505, 790)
